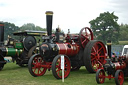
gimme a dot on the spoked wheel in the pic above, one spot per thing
(100, 76)
(94, 55)
(119, 77)
(56, 67)
(35, 65)
(85, 36)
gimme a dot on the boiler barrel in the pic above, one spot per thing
(68, 49)
(10, 51)
(119, 66)
(1, 34)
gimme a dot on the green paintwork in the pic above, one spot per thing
(18, 45)
(13, 52)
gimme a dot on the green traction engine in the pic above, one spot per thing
(19, 50)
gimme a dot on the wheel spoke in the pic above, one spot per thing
(34, 68)
(92, 59)
(41, 60)
(40, 70)
(85, 37)
(84, 41)
(35, 60)
(93, 54)
(34, 64)
(100, 49)
(94, 49)
(58, 70)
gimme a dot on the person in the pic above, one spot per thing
(114, 57)
(59, 35)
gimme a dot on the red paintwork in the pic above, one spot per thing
(98, 55)
(64, 49)
(121, 78)
(37, 68)
(67, 67)
(120, 65)
(85, 36)
(109, 76)
(101, 76)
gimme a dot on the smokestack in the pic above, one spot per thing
(109, 48)
(1, 34)
(49, 22)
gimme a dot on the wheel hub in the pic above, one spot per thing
(38, 65)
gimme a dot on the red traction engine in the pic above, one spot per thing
(117, 69)
(78, 50)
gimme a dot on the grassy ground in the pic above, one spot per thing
(12, 74)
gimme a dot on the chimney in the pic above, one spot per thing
(109, 48)
(49, 15)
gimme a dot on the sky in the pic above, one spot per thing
(68, 14)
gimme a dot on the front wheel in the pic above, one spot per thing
(35, 65)
(100, 76)
(56, 67)
(119, 77)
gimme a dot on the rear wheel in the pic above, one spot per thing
(35, 65)
(119, 77)
(94, 55)
(56, 67)
(100, 76)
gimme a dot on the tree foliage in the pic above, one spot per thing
(9, 28)
(31, 26)
(123, 32)
(105, 27)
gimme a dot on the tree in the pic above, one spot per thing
(9, 28)
(31, 26)
(123, 32)
(105, 27)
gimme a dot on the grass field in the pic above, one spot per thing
(12, 74)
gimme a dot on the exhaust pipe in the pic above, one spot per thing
(1, 34)
(109, 48)
(49, 15)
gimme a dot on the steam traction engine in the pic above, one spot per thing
(117, 69)
(20, 50)
(78, 50)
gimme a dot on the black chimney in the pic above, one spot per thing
(49, 22)
(109, 48)
(1, 34)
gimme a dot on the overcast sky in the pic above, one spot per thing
(68, 14)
